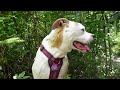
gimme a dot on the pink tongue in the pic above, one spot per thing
(82, 47)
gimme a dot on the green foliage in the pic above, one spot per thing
(21, 33)
(11, 41)
(21, 76)
(68, 76)
(116, 48)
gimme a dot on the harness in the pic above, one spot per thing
(54, 63)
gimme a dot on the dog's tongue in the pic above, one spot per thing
(81, 46)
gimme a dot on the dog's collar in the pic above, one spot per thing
(54, 63)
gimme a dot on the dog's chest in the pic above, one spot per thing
(41, 69)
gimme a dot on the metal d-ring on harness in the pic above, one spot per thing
(54, 63)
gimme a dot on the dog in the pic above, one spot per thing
(65, 36)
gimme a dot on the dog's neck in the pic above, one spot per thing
(59, 52)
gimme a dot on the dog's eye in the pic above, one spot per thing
(83, 30)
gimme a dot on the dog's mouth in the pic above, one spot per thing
(81, 46)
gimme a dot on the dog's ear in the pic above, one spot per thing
(60, 23)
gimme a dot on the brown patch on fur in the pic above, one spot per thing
(59, 26)
(59, 23)
(59, 38)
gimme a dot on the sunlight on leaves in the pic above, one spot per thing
(11, 40)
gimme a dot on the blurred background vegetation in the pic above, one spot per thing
(21, 33)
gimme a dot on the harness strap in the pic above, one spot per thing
(54, 63)
(55, 66)
(47, 54)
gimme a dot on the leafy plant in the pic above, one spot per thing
(68, 76)
(11, 40)
(116, 47)
(21, 76)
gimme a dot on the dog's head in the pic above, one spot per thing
(72, 34)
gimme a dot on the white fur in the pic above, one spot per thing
(73, 32)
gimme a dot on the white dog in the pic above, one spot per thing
(65, 36)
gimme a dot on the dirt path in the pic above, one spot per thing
(116, 61)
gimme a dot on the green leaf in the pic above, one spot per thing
(2, 18)
(68, 76)
(21, 74)
(25, 77)
(11, 40)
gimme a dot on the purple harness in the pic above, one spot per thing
(54, 63)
